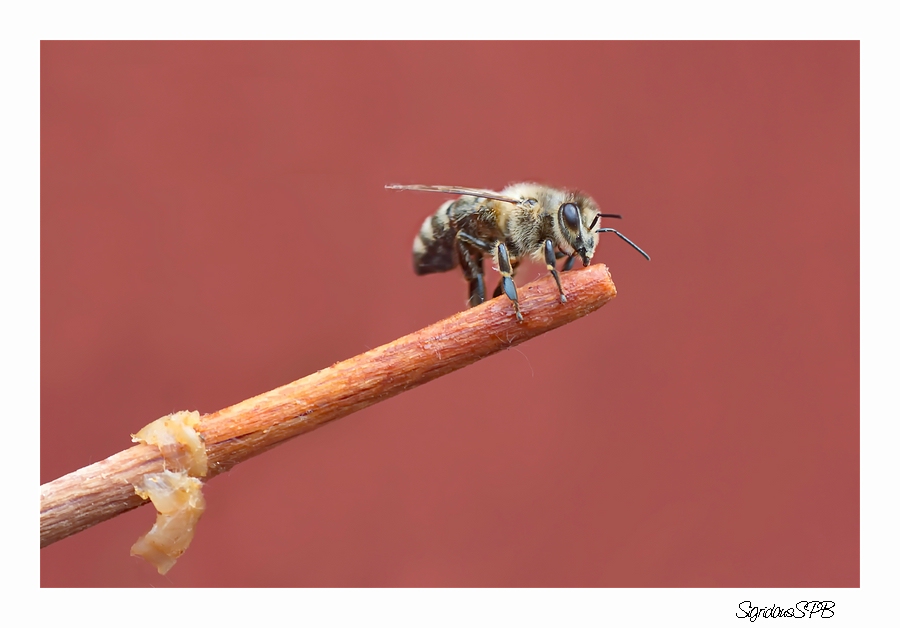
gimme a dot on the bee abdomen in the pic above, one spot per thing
(434, 248)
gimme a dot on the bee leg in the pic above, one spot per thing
(507, 269)
(473, 269)
(481, 245)
(476, 291)
(499, 289)
(506, 280)
(470, 254)
(550, 259)
(569, 262)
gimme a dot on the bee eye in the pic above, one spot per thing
(570, 216)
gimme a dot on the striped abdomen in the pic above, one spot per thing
(434, 248)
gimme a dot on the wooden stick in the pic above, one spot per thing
(105, 489)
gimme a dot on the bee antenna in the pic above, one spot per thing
(637, 248)
(599, 216)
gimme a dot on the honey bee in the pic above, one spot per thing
(523, 220)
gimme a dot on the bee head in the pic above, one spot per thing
(577, 219)
(578, 237)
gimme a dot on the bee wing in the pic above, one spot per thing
(453, 189)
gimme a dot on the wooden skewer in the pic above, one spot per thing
(105, 489)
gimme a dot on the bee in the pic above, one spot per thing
(523, 220)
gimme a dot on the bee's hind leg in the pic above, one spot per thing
(507, 270)
(473, 269)
(471, 251)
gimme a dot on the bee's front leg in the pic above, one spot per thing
(550, 259)
(569, 262)
(506, 280)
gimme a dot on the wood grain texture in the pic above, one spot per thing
(105, 489)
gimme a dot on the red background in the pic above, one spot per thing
(214, 224)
